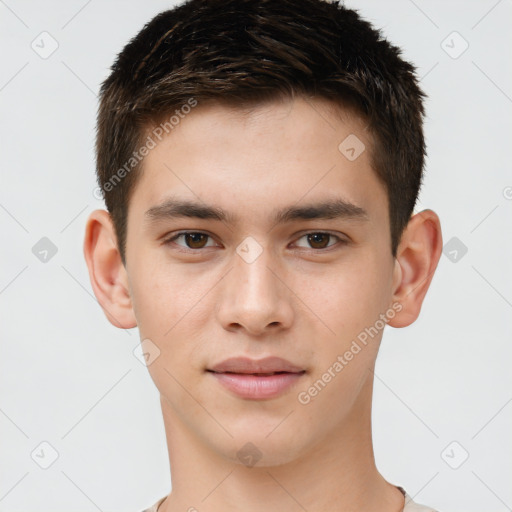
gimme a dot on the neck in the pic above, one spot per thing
(337, 473)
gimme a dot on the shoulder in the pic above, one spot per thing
(154, 508)
(412, 506)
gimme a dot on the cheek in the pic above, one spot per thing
(167, 307)
(348, 296)
(162, 296)
(350, 302)
(172, 308)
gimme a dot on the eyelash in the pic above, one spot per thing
(170, 240)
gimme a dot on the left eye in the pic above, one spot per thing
(319, 240)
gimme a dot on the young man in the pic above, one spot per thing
(260, 162)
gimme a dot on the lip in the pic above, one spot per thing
(246, 377)
(247, 365)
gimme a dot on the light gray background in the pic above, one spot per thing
(69, 378)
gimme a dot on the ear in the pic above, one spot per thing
(107, 273)
(417, 257)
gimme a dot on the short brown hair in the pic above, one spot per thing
(245, 52)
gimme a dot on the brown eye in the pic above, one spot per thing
(318, 240)
(195, 240)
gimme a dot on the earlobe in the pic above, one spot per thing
(106, 271)
(417, 258)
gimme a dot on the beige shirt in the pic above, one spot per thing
(410, 506)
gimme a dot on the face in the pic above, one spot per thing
(269, 272)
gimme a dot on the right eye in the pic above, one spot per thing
(194, 240)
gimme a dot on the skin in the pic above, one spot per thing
(294, 301)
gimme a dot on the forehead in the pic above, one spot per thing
(253, 160)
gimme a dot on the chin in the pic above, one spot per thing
(254, 448)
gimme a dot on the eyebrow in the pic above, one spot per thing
(172, 208)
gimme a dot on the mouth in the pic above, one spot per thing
(256, 380)
(266, 366)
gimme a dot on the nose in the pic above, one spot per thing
(254, 297)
